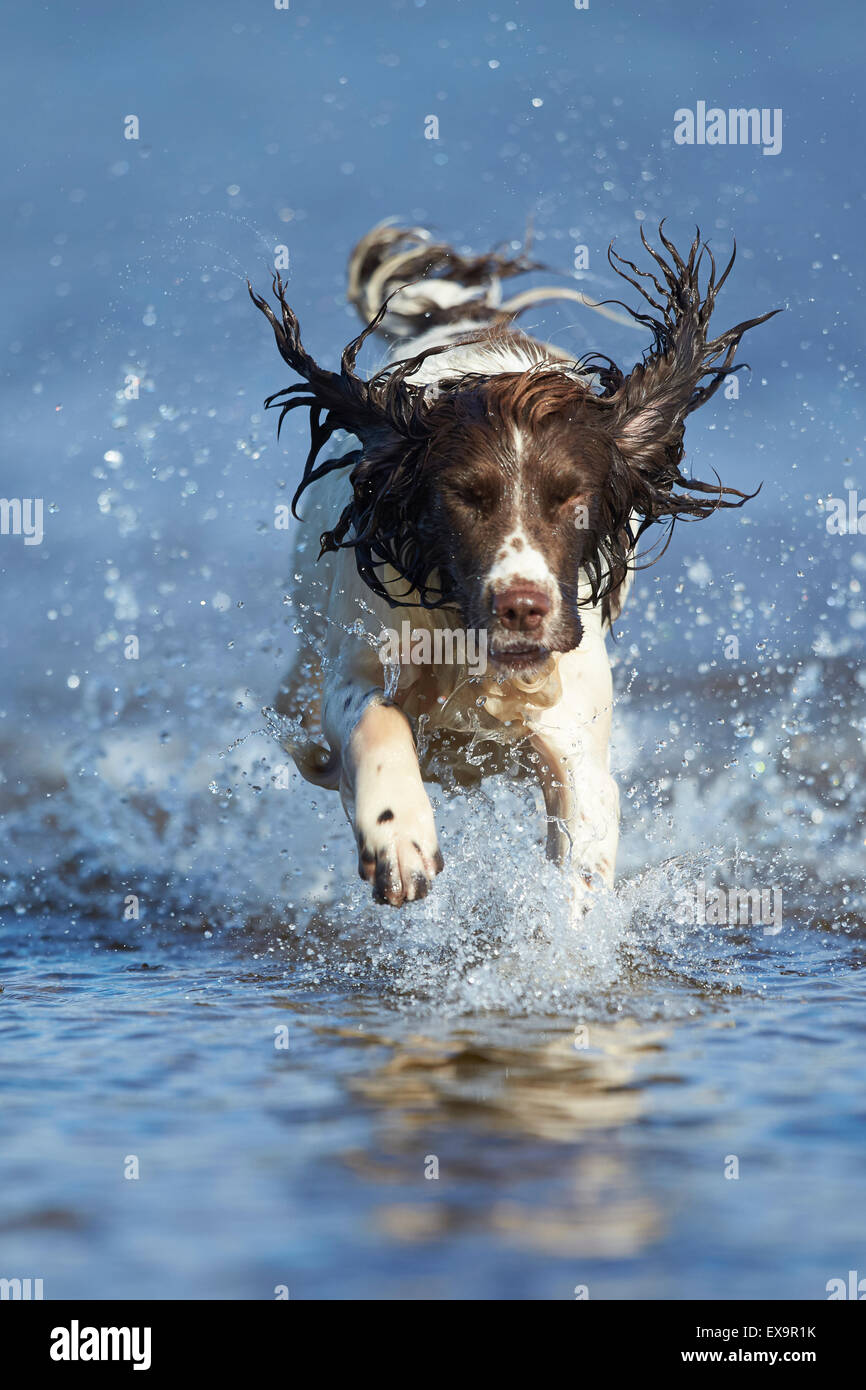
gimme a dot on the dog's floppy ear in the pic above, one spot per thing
(382, 412)
(682, 370)
(336, 401)
(388, 414)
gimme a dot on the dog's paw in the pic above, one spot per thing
(398, 852)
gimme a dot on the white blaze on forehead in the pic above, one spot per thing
(518, 560)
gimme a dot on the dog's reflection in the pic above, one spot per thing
(522, 1143)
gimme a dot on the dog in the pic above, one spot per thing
(485, 483)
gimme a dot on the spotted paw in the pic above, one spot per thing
(399, 855)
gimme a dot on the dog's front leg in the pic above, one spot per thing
(571, 741)
(382, 791)
(582, 803)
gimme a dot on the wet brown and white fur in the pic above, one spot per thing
(486, 481)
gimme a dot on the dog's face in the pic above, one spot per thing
(516, 499)
(508, 485)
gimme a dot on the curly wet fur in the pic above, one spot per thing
(635, 420)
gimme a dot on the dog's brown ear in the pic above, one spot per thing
(388, 415)
(682, 370)
(343, 396)
(378, 411)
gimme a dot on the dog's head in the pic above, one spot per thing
(500, 495)
(518, 486)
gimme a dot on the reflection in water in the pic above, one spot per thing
(579, 1090)
(554, 1092)
(557, 1092)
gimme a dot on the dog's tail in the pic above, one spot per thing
(433, 285)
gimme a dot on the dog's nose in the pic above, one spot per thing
(521, 607)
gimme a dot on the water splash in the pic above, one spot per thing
(206, 836)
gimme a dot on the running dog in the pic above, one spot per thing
(487, 484)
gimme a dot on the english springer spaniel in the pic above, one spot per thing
(488, 484)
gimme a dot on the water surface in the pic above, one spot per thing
(586, 1096)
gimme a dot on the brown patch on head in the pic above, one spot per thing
(507, 457)
(627, 431)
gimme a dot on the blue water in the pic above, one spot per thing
(582, 1094)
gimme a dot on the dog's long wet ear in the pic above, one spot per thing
(376, 411)
(387, 414)
(682, 370)
(343, 396)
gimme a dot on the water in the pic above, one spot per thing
(170, 909)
